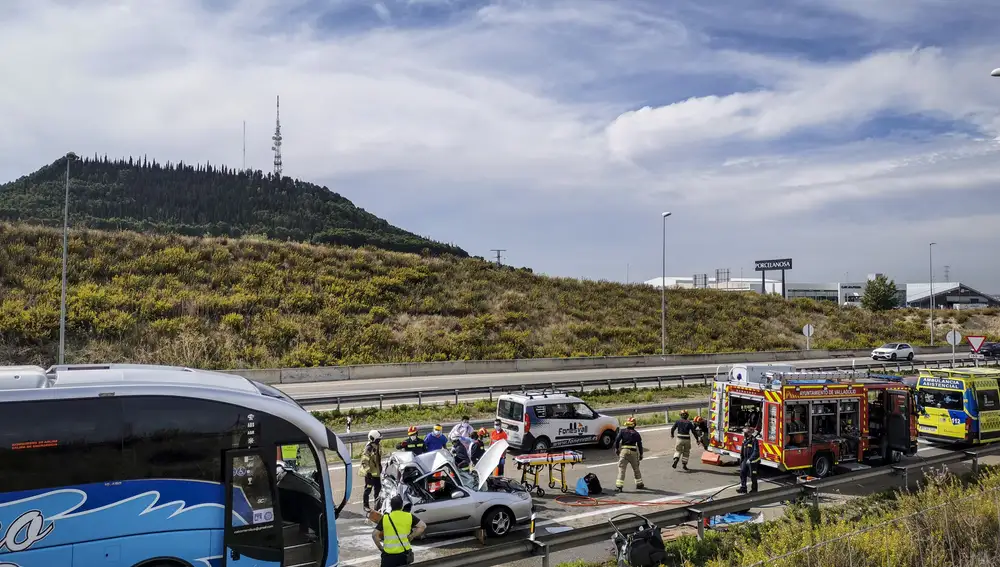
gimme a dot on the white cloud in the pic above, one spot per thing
(510, 95)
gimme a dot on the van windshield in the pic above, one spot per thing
(507, 409)
(941, 399)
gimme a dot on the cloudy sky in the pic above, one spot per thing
(846, 134)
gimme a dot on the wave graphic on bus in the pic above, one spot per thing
(47, 518)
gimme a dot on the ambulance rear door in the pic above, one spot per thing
(987, 396)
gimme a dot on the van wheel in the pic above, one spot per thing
(607, 440)
(822, 465)
(498, 522)
(541, 445)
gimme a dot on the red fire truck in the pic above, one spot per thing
(812, 420)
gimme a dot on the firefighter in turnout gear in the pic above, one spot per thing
(628, 447)
(701, 431)
(684, 429)
(749, 460)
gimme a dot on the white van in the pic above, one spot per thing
(537, 422)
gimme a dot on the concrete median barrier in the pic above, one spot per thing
(463, 367)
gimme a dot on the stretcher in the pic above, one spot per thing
(556, 463)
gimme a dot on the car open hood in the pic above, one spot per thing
(489, 461)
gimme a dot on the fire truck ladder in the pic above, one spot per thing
(804, 377)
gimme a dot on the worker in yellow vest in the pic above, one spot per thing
(393, 533)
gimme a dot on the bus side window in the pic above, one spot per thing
(177, 438)
(49, 444)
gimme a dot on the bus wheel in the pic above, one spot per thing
(822, 465)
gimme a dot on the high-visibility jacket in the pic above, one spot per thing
(497, 435)
(395, 542)
(751, 450)
(371, 460)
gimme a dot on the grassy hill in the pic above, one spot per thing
(201, 200)
(229, 303)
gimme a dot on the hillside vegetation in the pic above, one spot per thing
(232, 303)
(200, 200)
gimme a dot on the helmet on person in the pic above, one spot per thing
(483, 433)
(412, 430)
(684, 414)
(374, 435)
(697, 418)
(630, 422)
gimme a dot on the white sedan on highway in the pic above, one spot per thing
(893, 351)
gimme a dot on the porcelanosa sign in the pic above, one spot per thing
(767, 265)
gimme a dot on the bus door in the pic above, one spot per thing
(899, 415)
(253, 532)
(987, 396)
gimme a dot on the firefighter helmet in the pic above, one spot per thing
(630, 422)
(412, 430)
(684, 414)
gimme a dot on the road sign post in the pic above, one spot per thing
(808, 332)
(976, 342)
(954, 338)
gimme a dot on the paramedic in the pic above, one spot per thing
(462, 429)
(435, 440)
(628, 447)
(701, 431)
(476, 448)
(749, 461)
(497, 434)
(393, 533)
(682, 449)
(412, 443)
(371, 467)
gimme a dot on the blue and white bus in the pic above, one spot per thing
(156, 466)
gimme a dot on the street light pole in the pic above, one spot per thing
(65, 253)
(663, 290)
(930, 257)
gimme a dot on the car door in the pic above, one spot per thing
(447, 509)
(253, 531)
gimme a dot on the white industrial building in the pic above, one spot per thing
(733, 284)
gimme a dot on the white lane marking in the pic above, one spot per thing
(616, 462)
(599, 511)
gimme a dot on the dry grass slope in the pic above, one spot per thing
(239, 303)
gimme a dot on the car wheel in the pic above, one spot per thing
(822, 465)
(541, 445)
(498, 522)
(607, 440)
(893, 357)
(909, 356)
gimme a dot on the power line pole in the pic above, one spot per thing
(498, 251)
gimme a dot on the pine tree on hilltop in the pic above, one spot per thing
(198, 200)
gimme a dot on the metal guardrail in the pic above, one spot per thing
(400, 432)
(543, 546)
(582, 385)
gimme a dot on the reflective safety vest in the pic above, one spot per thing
(395, 542)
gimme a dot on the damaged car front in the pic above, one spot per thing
(450, 500)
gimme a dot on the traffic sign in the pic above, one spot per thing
(976, 343)
(954, 338)
(980, 356)
(807, 330)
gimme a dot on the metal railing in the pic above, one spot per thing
(634, 382)
(400, 432)
(542, 547)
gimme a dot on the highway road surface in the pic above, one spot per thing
(666, 487)
(514, 379)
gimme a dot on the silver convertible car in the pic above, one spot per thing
(450, 500)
